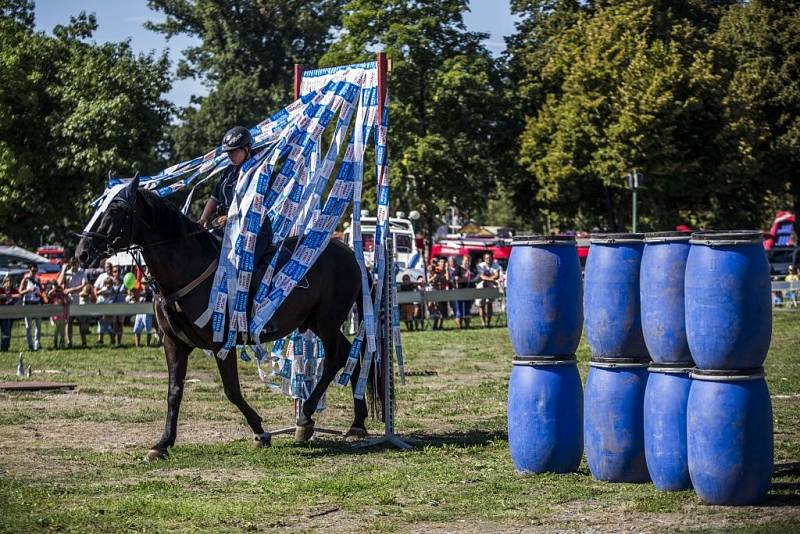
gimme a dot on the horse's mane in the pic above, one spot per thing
(168, 218)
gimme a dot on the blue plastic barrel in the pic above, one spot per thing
(661, 288)
(611, 297)
(545, 411)
(545, 313)
(613, 421)
(729, 431)
(665, 402)
(728, 307)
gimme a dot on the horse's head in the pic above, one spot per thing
(114, 231)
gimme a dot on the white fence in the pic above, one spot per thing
(789, 292)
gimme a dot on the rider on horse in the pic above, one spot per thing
(237, 144)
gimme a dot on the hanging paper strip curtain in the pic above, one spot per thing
(285, 181)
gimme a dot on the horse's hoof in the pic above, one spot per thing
(303, 433)
(259, 442)
(355, 433)
(155, 455)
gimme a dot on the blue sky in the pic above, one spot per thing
(119, 20)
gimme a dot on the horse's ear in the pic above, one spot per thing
(130, 191)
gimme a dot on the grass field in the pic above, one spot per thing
(73, 461)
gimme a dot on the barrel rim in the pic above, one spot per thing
(718, 238)
(667, 237)
(617, 238)
(727, 375)
(547, 358)
(632, 360)
(619, 365)
(672, 368)
(544, 362)
(539, 239)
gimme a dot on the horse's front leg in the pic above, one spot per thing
(177, 355)
(229, 372)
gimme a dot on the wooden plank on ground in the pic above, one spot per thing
(35, 386)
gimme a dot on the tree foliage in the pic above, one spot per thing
(71, 111)
(444, 94)
(699, 96)
(246, 55)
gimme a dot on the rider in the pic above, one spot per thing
(237, 144)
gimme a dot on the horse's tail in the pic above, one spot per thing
(375, 390)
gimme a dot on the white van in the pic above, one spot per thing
(406, 256)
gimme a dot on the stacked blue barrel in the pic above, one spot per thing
(662, 278)
(545, 404)
(728, 329)
(615, 386)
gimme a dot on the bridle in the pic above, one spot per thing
(112, 246)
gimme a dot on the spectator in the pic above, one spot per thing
(467, 280)
(30, 289)
(793, 276)
(438, 280)
(73, 279)
(407, 310)
(419, 308)
(56, 295)
(108, 272)
(143, 321)
(454, 275)
(8, 297)
(488, 272)
(105, 295)
(119, 298)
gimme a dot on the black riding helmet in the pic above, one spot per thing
(237, 137)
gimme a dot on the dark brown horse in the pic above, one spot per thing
(181, 256)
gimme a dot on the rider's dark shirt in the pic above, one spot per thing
(225, 189)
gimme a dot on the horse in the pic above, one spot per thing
(182, 257)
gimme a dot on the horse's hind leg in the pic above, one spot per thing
(177, 361)
(229, 372)
(337, 348)
(359, 427)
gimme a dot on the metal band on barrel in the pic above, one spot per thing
(724, 375)
(720, 238)
(533, 240)
(612, 239)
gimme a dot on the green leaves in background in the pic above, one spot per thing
(70, 112)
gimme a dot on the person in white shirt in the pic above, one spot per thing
(30, 289)
(72, 278)
(489, 273)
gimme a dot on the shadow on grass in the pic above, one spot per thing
(419, 441)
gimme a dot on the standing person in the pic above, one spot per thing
(105, 295)
(30, 289)
(73, 278)
(8, 297)
(467, 280)
(793, 276)
(453, 281)
(419, 308)
(438, 281)
(489, 272)
(56, 295)
(407, 310)
(118, 298)
(108, 270)
(143, 321)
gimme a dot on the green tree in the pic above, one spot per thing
(246, 56)
(528, 51)
(637, 88)
(70, 112)
(444, 92)
(759, 46)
